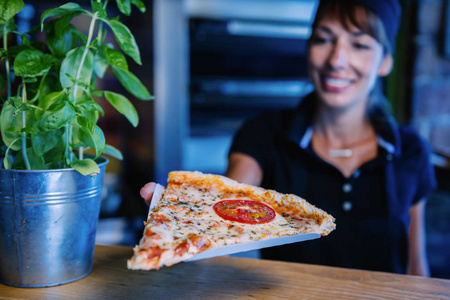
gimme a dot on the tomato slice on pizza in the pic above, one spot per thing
(244, 211)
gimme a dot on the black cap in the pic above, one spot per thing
(389, 12)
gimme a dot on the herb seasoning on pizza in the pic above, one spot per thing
(200, 211)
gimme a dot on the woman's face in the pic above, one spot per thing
(344, 65)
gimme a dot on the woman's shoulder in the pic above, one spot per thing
(413, 145)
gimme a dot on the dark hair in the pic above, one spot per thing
(351, 13)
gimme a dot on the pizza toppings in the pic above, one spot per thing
(181, 249)
(244, 211)
(200, 242)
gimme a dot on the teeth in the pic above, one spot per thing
(337, 82)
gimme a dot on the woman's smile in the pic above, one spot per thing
(335, 84)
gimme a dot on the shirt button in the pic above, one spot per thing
(347, 206)
(347, 188)
(356, 174)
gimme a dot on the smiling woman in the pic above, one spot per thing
(342, 151)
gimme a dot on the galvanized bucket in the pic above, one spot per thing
(48, 222)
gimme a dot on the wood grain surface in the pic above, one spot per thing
(232, 278)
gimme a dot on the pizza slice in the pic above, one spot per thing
(198, 212)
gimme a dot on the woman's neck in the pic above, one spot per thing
(342, 129)
(344, 139)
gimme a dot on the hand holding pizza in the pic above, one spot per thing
(147, 192)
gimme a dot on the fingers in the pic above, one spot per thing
(147, 192)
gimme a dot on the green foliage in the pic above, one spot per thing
(52, 117)
(8, 9)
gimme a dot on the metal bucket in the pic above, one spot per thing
(48, 222)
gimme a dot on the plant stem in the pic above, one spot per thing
(83, 57)
(8, 74)
(67, 129)
(24, 135)
(80, 67)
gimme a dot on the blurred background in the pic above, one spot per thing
(211, 64)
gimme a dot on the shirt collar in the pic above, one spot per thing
(300, 126)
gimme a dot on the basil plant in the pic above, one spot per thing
(49, 113)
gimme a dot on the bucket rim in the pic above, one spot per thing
(101, 161)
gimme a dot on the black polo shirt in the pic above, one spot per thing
(371, 215)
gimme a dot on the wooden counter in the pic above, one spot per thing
(232, 278)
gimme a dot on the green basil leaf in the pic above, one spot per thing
(88, 108)
(139, 4)
(91, 112)
(36, 161)
(68, 8)
(100, 63)
(9, 8)
(13, 129)
(124, 106)
(16, 49)
(110, 150)
(125, 39)
(51, 99)
(124, 6)
(92, 137)
(48, 84)
(107, 56)
(7, 162)
(75, 133)
(31, 63)
(114, 57)
(132, 84)
(86, 166)
(61, 36)
(28, 129)
(99, 9)
(56, 117)
(15, 101)
(55, 157)
(45, 141)
(71, 64)
(9, 118)
(99, 140)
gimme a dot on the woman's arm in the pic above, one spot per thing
(244, 168)
(417, 254)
